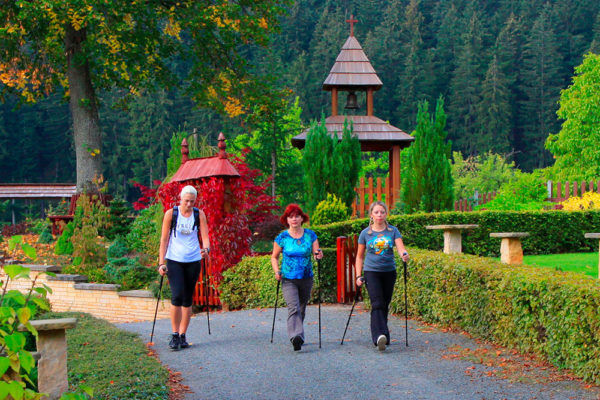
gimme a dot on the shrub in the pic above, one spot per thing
(589, 201)
(525, 192)
(46, 236)
(144, 234)
(63, 243)
(17, 229)
(118, 248)
(251, 282)
(330, 210)
(118, 219)
(553, 314)
(552, 231)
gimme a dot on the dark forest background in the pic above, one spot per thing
(499, 64)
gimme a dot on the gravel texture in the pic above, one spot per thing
(237, 361)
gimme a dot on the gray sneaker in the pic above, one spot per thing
(381, 342)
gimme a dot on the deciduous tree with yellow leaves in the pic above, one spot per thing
(89, 45)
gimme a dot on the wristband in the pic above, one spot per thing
(360, 278)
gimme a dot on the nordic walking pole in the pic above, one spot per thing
(206, 286)
(162, 277)
(405, 306)
(350, 316)
(275, 312)
(319, 296)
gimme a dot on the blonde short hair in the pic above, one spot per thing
(188, 189)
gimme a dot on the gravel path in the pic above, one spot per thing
(237, 361)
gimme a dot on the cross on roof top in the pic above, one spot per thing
(352, 21)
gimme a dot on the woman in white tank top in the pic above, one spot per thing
(179, 257)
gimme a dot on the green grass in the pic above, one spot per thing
(113, 362)
(584, 263)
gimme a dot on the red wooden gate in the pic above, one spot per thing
(206, 292)
(346, 274)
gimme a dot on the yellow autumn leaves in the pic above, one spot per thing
(589, 201)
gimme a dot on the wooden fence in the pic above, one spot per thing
(557, 193)
(206, 292)
(346, 273)
(369, 192)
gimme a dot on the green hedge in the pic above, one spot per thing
(553, 314)
(554, 231)
(251, 282)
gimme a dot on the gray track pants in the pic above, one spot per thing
(296, 293)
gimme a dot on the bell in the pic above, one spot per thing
(351, 102)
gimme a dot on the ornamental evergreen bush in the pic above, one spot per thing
(330, 210)
(552, 231)
(550, 313)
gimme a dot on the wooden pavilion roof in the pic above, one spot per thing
(37, 190)
(352, 68)
(373, 133)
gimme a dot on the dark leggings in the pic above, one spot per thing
(380, 286)
(182, 278)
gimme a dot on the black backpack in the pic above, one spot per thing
(176, 214)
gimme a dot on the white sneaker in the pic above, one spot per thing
(381, 342)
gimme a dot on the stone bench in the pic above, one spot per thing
(511, 251)
(594, 236)
(52, 349)
(453, 236)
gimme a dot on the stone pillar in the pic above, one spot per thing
(511, 251)
(452, 241)
(52, 347)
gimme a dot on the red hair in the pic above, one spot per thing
(292, 209)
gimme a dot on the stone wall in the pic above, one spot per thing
(72, 293)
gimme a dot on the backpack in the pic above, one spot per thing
(174, 220)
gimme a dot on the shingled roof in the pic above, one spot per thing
(352, 68)
(373, 133)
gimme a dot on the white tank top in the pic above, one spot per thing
(185, 246)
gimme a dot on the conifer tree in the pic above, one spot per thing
(465, 87)
(595, 45)
(411, 86)
(427, 183)
(543, 82)
(494, 111)
(331, 164)
(509, 55)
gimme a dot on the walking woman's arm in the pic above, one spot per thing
(318, 253)
(275, 260)
(164, 241)
(204, 234)
(360, 257)
(401, 249)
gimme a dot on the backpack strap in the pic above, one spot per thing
(174, 221)
(197, 219)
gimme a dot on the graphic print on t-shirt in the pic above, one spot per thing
(380, 243)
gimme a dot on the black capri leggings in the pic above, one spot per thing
(182, 278)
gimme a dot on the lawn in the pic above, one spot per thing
(585, 263)
(115, 363)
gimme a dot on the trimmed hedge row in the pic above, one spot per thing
(553, 314)
(251, 284)
(553, 231)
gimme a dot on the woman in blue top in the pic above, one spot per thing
(297, 245)
(379, 240)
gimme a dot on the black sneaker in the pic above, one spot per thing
(175, 343)
(297, 343)
(182, 342)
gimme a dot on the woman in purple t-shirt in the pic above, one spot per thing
(378, 242)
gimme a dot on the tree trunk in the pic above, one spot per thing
(273, 171)
(84, 110)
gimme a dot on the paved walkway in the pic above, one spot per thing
(238, 361)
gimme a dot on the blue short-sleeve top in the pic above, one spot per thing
(296, 262)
